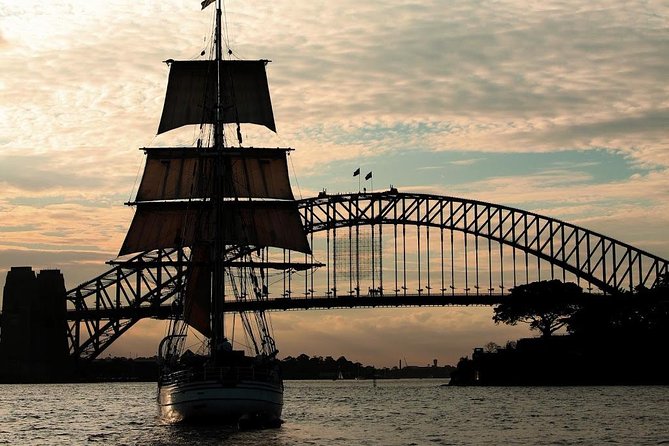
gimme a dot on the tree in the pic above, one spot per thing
(491, 347)
(546, 306)
(629, 314)
(661, 284)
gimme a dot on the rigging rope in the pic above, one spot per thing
(225, 28)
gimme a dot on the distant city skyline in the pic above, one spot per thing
(560, 108)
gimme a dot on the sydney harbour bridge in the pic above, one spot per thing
(372, 250)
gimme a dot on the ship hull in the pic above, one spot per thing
(244, 403)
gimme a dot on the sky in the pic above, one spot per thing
(556, 107)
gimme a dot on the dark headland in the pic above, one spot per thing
(611, 340)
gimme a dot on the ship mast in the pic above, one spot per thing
(218, 122)
(218, 270)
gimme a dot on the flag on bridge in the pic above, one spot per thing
(368, 176)
(356, 172)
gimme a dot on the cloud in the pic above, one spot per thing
(63, 226)
(465, 162)
(502, 78)
(37, 173)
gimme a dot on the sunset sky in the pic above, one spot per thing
(557, 107)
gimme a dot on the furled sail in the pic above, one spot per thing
(191, 94)
(185, 223)
(178, 173)
(197, 299)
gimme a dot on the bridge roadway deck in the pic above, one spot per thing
(302, 303)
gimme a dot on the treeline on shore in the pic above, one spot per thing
(610, 340)
(302, 367)
(317, 367)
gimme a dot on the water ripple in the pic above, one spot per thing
(406, 412)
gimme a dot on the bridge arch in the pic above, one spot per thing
(601, 261)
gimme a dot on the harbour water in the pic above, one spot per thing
(402, 412)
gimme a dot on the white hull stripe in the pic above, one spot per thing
(213, 386)
(200, 400)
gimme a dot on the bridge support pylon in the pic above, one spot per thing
(33, 327)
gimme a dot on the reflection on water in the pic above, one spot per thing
(406, 412)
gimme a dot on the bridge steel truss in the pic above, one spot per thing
(497, 235)
(104, 308)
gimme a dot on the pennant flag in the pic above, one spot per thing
(357, 172)
(368, 176)
(206, 3)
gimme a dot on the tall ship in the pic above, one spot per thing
(231, 211)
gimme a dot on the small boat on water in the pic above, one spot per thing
(224, 209)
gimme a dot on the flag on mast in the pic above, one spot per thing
(206, 3)
(356, 172)
(368, 176)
